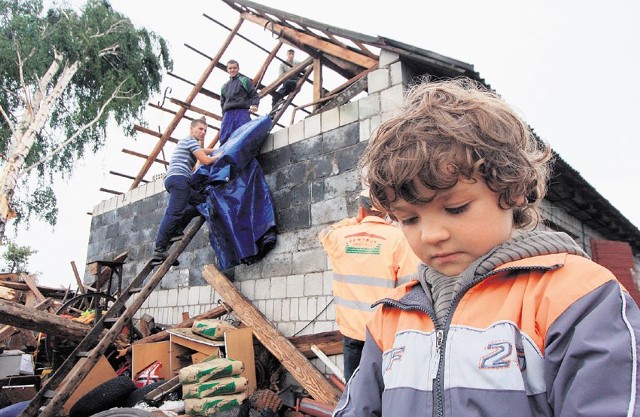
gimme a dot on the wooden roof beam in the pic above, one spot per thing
(148, 131)
(319, 44)
(195, 109)
(295, 69)
(147, 157)
(130, 177)
(176, 119)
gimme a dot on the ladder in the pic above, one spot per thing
(86, 347)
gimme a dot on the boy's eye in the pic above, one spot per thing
(457, 210)
(408, 221)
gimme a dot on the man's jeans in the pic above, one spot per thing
(180, 209)
(352, 351)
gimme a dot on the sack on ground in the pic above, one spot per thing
(213, 329)
(210, 405)
(212, 387)
(215, 368)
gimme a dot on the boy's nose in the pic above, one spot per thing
(433, 232)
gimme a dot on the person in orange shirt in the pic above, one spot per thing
(369, 256)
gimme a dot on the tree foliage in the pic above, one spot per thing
(115, 68)
(17, 257)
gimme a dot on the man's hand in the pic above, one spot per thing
(253, 108)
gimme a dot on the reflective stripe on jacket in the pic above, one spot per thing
(369, 259)
(551, 335)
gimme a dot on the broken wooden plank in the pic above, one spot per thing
(28, 279)
(329, 342)
(295, 362)
(17, 315)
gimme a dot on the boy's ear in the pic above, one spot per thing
(521, 201)
(361, 214)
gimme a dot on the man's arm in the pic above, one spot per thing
(204, 159)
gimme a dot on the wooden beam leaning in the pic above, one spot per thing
(295, 362)
(176, 120)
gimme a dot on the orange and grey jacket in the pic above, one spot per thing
(546, 333)
(369, 259)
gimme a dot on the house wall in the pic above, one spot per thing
(311, 171)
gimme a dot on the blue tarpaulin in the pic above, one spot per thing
(238, 209)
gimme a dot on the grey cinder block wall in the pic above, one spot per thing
(311, 169)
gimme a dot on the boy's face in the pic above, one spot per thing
(232, 69)
(198, 131)
(457, 227)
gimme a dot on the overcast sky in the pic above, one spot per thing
(571, 68)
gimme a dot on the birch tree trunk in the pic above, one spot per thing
(24, 136)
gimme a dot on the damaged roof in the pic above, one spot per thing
(352, 56)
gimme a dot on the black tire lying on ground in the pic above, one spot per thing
(137, 396)
(124, 412)
(103, 397)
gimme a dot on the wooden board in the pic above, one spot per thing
(101, 372)
(143, 355)
(295, 362)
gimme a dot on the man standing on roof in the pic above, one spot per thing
(290, 84)
(182, 198)
(369, 256)
(238, 97)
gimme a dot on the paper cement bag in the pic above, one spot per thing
(211, 328)
(210, 405)
(215, 368)
(212, 387)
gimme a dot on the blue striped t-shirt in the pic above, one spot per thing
(183, 159)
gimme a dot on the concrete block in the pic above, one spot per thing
(329, 211)
(309, 261)
(205, 294)
(296, 132)
(387, 58)
(327, 282)
(295, 286)
(391, 98)
(172, 297)
(248, 288)
(279, 287)
(396, 73)
(348, 113)
(183, 296)
(267, 145)
(330, 119)
(294, 310)
(302, 309)
(313, 284)
(312, 307)
(378, 80)
(285, 312)
(268, 309)
(364, 129)
(193, 295)
(263, 287)
(369, 106)
(277, 310)
(280, 138)
(313, 125)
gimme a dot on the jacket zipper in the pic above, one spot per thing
(438, 382)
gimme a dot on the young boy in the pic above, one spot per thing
(503, 320)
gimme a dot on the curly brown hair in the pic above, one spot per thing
(448, 130)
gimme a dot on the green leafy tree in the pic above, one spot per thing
(63, 75)
(17, 257)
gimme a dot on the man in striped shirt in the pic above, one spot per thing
(182, 198)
